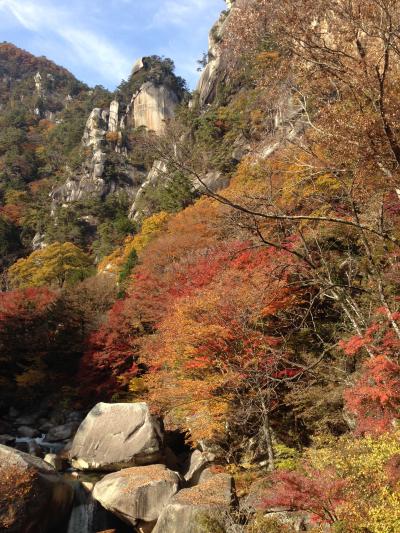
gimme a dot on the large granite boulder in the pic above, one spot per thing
(116, 436)
(28, 432)
(137, 494)
(193, 510)
(33, 497)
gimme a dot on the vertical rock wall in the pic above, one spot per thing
(152, 106)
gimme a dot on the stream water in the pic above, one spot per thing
(87, 515)
(83, 511)
(48, 447)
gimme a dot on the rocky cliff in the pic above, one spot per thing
(215, 72)
(102, 135)
(150, 107)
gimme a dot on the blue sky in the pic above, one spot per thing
(99, 40)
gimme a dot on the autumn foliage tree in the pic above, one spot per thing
(56, 264)
(42, 334)
(351, 484)
(203, 342)
(25, 318)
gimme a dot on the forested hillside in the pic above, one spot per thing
(235, 264)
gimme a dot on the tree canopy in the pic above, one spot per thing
(55, 265)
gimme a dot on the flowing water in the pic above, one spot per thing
(32, 443)
(88, 516)
(83, 511)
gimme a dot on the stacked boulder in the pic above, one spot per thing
(127, 442)
(116, 436)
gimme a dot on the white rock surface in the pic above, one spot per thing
(198, 461)
(138, 493)
(113, 117)
(116, 436)
(155, 176)
(152, 106)
(54, 460)
(138, 65)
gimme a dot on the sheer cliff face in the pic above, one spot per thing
(151, 103)
(153, 106)
(215, 72)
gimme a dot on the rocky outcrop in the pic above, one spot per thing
(215, 72)
(62, 432)
(152, 106)
(126, 443)
(156, 175)
(91, 182)
(33, 497)
(212, 181)
(138, 65)
(101, 136)
(103, 173)
(196, 464)
(115, 436)
(191, 509)
(113, 119)
(137, 494)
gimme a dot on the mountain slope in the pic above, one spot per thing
(247, 255)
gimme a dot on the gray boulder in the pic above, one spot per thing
(33, 497)
(28, 432)
(75, 416)
(207, 474)
(7, 439)
(197, 462)
(45, 427)
(137, 494)
(193, 510)
(116, 436)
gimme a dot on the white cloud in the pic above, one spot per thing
(181, 12)
(97, 53)
(92, 49)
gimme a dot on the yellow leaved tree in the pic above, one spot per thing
(151, 228)
(57, 264)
